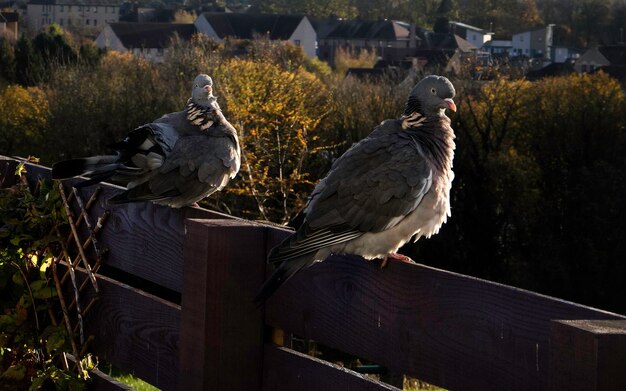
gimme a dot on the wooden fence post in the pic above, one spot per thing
(221, 339)
(588, 355)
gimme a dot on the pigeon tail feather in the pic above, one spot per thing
(281, 274)
(94, 165)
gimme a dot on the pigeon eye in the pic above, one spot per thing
(433, 90)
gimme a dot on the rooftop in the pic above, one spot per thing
(77, 2)
(367, 29)
(245, 26)
(151, 35)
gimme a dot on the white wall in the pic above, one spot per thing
(521, 44)
(93, 17)
(203, 26)
(305, 36)
(108, 40)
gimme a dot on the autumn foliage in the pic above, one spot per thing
(537, 198)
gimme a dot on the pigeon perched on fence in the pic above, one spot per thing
(392, 186)
(176, 160)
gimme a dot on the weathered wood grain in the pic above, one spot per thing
(135, 331)
(100, 381)
(288, 370)
(588, 355)
(451, 330)
(222, 330)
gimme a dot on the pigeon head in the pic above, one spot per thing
(201, 92)
(431, 96)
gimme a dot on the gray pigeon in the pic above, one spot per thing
(176, 160)
(392, 186)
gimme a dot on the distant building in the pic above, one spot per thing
(561, 54)
(601, 56)
(474, 35)
(148, 40)
(391, 40)
(446, 52)
(296, 29)
(534, 44)
(8, 25)
(498, 47)
(85, 14)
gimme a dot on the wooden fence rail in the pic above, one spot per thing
(175, 309)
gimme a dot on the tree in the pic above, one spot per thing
(276, 113)
(23, 117)
(29, 66)
(7, 60)
(320, 8)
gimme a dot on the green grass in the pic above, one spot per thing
(126, 378)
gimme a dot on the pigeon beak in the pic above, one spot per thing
(450, 104)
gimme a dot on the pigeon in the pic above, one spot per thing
(177, 160)
(391, 186)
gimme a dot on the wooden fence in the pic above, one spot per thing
(175, 309)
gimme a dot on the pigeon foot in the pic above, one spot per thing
(397, 257)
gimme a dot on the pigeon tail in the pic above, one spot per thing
(281, 274)
(94, 166)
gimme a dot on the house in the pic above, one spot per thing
(601, 56)
(149, 40)
(534, 44)
(296, 29)
(90, 15)
(498, 47)
(446, 52)
(392, 40)
(8, 25)
(474, 35)
(561, 54)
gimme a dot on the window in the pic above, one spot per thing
(95, 22)
(61, 21)
(592, 67)
(61, 8)
(87, 22)
(297, 42)
(583, 67)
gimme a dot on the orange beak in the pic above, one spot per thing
(450, 104)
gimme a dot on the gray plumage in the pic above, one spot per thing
(392, 186)
(176, 160)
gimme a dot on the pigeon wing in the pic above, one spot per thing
(197, 165)
(371, 188)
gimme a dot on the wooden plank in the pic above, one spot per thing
(286, 369)
(588, 355)
(451, 330)
(134, 331)
(100, 381)
(222, 330)
(143, 239)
